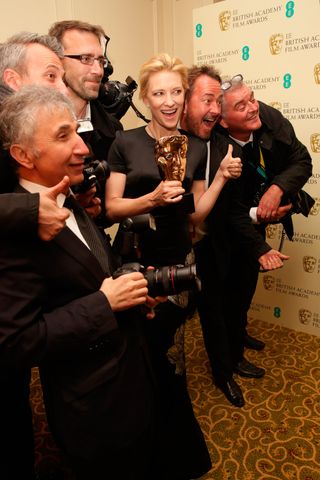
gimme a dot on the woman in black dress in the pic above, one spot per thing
(135, 187)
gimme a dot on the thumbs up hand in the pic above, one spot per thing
(51, 218)
(230, 166)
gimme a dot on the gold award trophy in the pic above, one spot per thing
(171, 158)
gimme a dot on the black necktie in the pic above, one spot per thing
(90, 233)
(248, 153)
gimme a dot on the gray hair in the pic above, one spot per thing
(19, 113)
(13, 51)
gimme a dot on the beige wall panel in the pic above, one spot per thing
(32, 16)
(130, 25)
(131, 30)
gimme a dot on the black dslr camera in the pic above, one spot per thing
(117, 96)
(95, 173)
(164, 281)
(126, 242)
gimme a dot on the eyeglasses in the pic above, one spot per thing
(89, 59)
(234, 80)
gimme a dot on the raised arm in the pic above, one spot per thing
(230, 167)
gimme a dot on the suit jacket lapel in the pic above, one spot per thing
(69, 242)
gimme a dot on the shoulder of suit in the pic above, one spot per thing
(220, 141)
(102, 119)
(271, 116)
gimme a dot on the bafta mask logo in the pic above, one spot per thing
(275, 43)
(271, 231)
(276, 105)
(309, 263)
(269, 282)
(315, 209)
(305, 316)
(315, 142)
(225, 20)
(317, 73)
(171, 157)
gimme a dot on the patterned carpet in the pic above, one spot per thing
(275, 436)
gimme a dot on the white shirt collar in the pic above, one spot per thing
(240, 142)
(37, 188)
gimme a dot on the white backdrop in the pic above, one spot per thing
(276, 46)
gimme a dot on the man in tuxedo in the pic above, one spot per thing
(224, 340)
(62, 310)
(25, 58)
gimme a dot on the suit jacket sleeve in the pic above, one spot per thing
(18, 213)
(243, 231)
(53, 316)
(290, 161)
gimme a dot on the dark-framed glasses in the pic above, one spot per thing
(89, 59)
(229, 83)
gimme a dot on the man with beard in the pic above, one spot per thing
(223, 339)
(84, 64)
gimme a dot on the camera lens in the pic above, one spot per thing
(172, 279)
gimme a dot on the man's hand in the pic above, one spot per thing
(126, 291)
(151, 303)
(272, 260)
(267, 210)
(90, 202)
(52, 219)
(230, 166)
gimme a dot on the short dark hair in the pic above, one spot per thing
(196, 71)
(58, 29)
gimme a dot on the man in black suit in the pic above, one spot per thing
(25, 58)
(62, 310)
(223, 339)
(276, 165)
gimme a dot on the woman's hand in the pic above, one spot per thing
(230, 166)
(167, 192)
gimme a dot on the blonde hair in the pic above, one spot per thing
(159, 63)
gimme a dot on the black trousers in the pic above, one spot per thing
(16, 434)
(242, 282)
(217, 332)
(223, 304)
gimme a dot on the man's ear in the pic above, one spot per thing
(12, 79)
(185, 108)
(22, 156)
(223, 123)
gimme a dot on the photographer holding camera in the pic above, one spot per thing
(84, 63)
